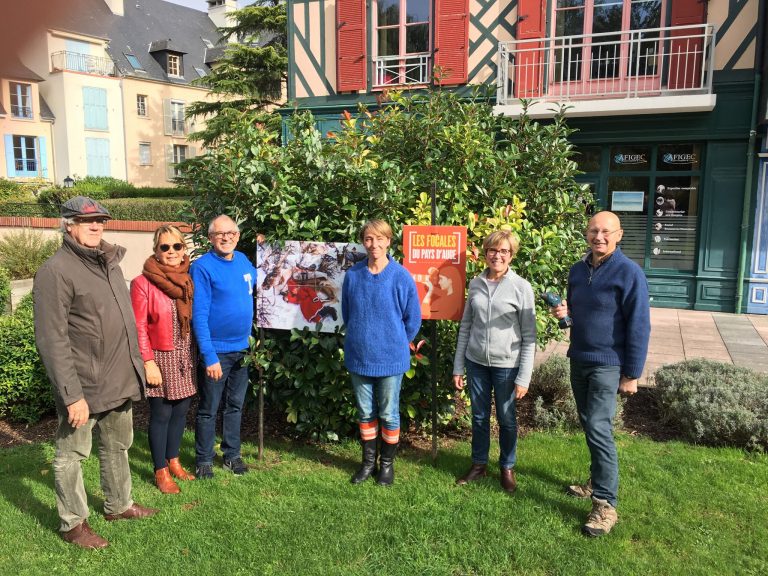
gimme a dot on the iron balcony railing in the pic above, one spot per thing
(76, 62)
(631, 64)
(402, 70)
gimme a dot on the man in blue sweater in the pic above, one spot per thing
(222, 314)
(608, 302)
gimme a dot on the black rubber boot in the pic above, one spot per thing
(368, 468)
(387, 464)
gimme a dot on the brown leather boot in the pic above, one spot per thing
(165, 483)
(178, 470)
(475, 472)
(83, 535)
(508, 480)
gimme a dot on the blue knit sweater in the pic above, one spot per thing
(222, 310)
(382, 315)
(611, 313)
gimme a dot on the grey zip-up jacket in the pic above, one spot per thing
(498, 330)
(84, 327)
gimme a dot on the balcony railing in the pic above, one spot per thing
(76, 62)
(631, 64)
(402, 70)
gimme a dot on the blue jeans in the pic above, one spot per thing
(595, 389)
(484, 380)
(378, 398)
(230, 389)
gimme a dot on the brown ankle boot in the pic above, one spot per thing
(165, 483)
(475, 472)
(178, 470)
(508, 480)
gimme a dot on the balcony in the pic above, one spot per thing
(76, 62)
(651, 71)
(412, 69)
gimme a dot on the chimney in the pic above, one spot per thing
(116, 6)
(218, 11)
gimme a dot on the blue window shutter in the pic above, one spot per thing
(43, 157)
(97, 156)
(95, 108)
(10, 163)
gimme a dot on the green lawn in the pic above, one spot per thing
(683, 510)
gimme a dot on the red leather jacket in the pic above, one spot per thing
(154, 322)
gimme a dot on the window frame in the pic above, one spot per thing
(406, 62)
(145, 154)
(173, 65)
(23, 147)
(179, 158)
(178, 119)
(21, 110)
(141, 105)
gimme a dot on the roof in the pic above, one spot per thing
(11, 68)
(45, 110)
(147, 26)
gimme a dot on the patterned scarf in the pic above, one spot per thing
(176, 283)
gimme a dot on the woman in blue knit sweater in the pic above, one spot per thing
(382, 314)
(496, 344)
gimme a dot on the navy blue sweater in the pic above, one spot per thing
(382, 314)
(611, 313)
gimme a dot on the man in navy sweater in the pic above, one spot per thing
(222, 314)
(608, 302)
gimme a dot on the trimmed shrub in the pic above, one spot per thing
(5, 290)
(714, 403)
(23, 252)
(148, 192)
(166, 210)
(25, 393)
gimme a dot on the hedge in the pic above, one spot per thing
(163, 210)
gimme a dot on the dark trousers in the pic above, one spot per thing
(166, 426)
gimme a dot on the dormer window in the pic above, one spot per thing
(169, 56)
(174, 65)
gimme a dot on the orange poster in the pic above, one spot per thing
(436, 257)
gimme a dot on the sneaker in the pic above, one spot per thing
(602, 518)
(204, 471)
(580, 490)
(236, 466)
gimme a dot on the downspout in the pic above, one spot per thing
(747, 205)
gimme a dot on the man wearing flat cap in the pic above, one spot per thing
(86, 335)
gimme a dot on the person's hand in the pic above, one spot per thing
(214, 371)
(520, 392)
(560, 311)
(458, 381)
(154, 378)
(78, 413)
(627, 386)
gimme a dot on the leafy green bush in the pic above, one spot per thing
(23, 252)
(10, 189)
(25, 393)
(714, 403)
(148, 192)
(165, 210)
(5, 290)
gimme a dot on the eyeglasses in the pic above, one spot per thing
(222, 235)
(605, 233)
(178, 246)
(89, 221)
(494, 251)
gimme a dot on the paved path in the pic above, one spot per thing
(678, 335)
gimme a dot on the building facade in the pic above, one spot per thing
(663, 94)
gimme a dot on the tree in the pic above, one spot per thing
(249, 79)
(490, 172)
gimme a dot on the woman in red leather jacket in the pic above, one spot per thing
(162, 304)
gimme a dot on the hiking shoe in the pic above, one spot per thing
(601, 519)
(580, 490)
(204, 471)
(236, 466)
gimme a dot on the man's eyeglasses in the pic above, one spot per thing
(594, 232)
(222, 235)
(494, 251)
(88, 221)
(178, 246)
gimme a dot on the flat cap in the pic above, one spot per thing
(82, 206)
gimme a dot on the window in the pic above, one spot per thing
(175, 155)
(95, 108)
(173, 116)
(21, 100)
(174, 65)
(201, 72)
(145, 154)
(97, 157)
(25, 156)
(402, 42)
(133, 61)
(141, 104)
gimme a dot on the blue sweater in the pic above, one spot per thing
(222, 310)
(382, 314)
(611, 313)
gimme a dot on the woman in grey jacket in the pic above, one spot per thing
(496, 344)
